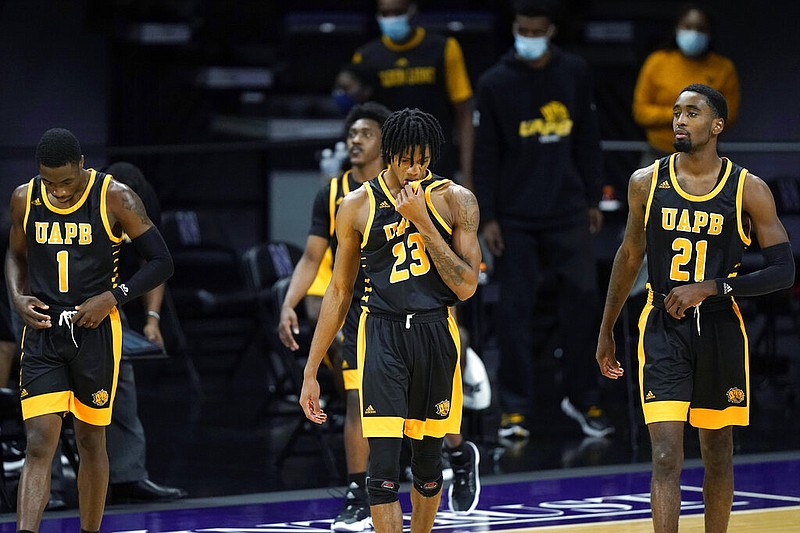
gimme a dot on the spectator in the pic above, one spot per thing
(688, 58)
(125, 437)
(412, 67)
(537, 179)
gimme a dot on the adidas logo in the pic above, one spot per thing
(664, 185)
(650, 395)
(36, 202)
(726, 288)
(369, 410)
(384, 205)
(23, 393)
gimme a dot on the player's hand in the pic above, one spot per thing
(94, 310)
(493, 237)
(410, 203)
(28, 308)
(683, 297)
(309, 401)
(152, 331)
(288, 328)
(606, 358)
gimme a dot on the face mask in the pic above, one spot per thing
(344, 101)
(530, 48)
(395, 28)
(692, 42)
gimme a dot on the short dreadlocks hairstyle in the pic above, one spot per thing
(716, 101)
(409, 129)
(58, 147)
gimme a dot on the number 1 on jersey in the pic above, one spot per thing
(62, 258)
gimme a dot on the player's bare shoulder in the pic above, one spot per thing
(462, 206)
(19, 199)
(639, 185)
(355, 208)
(123, 202)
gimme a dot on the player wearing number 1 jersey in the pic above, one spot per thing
(416, 238)
(67, 224)
(694, 213)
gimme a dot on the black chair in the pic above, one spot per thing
(269, 267)
(209, 290)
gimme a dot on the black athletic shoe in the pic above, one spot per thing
(593, 421)
(465, 490)
(355, 516)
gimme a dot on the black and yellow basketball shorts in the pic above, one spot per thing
(696, 365)
(350, 366)
(411, 377)
(66, 368)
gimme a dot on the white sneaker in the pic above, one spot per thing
(477, 389)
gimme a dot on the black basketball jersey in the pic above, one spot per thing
(72, 252)
(400, 275)
(694, 238)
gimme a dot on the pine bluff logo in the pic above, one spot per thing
(735, 395)
(100, 398)
(443, 408)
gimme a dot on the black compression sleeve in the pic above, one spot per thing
(154, 272)
(777, 274)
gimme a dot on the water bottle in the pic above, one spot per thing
(340, 153)
(328, 165)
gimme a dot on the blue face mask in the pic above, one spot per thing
(344, 101)
(530, 48)
(692, 42)
(395, 28)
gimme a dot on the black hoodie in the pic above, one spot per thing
(538, 162)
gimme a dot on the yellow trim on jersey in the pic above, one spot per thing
(104, 212)
(653, 180)
(419, 34)
(324, 274)
(428, 201)
(385, 188)
(370, 218)
(78, 204)
(691, 197)
(332, 205)
(739, 194)
(27, 207)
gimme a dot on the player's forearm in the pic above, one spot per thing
(302, 279)
(454, 271)
(623, 275)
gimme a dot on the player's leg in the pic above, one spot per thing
(384, 484)
(426, 468)
(42, 434)
(665, 489)
(716, 448)
(92, 473)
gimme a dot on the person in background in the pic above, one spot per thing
(125, 436)
(538, 169)
(694, 214)
(362, 128)
(67, 224)
(412, 67)
(417, 234)
(688, 58)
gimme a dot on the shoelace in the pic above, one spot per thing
(65, 319)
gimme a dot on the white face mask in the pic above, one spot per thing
(530, 48)
(692, 42)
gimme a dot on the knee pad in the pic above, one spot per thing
(428, 489)
(382, 491)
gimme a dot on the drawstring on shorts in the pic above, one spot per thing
(697, 317)
(65, 319)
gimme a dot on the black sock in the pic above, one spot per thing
(24, 531)
(457, 455)
(359, 479)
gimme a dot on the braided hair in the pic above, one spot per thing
(409, 129)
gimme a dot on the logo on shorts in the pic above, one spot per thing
(369, 410)
(100, 398)
(443, 408)
(735, 395)
(650, 395)
(23, 393)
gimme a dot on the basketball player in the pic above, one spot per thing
(67, 225)
(694, 212)
(417, 234)
(363, 133)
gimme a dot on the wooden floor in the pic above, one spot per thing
(761, 521)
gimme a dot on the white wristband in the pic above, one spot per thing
(154, 315)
